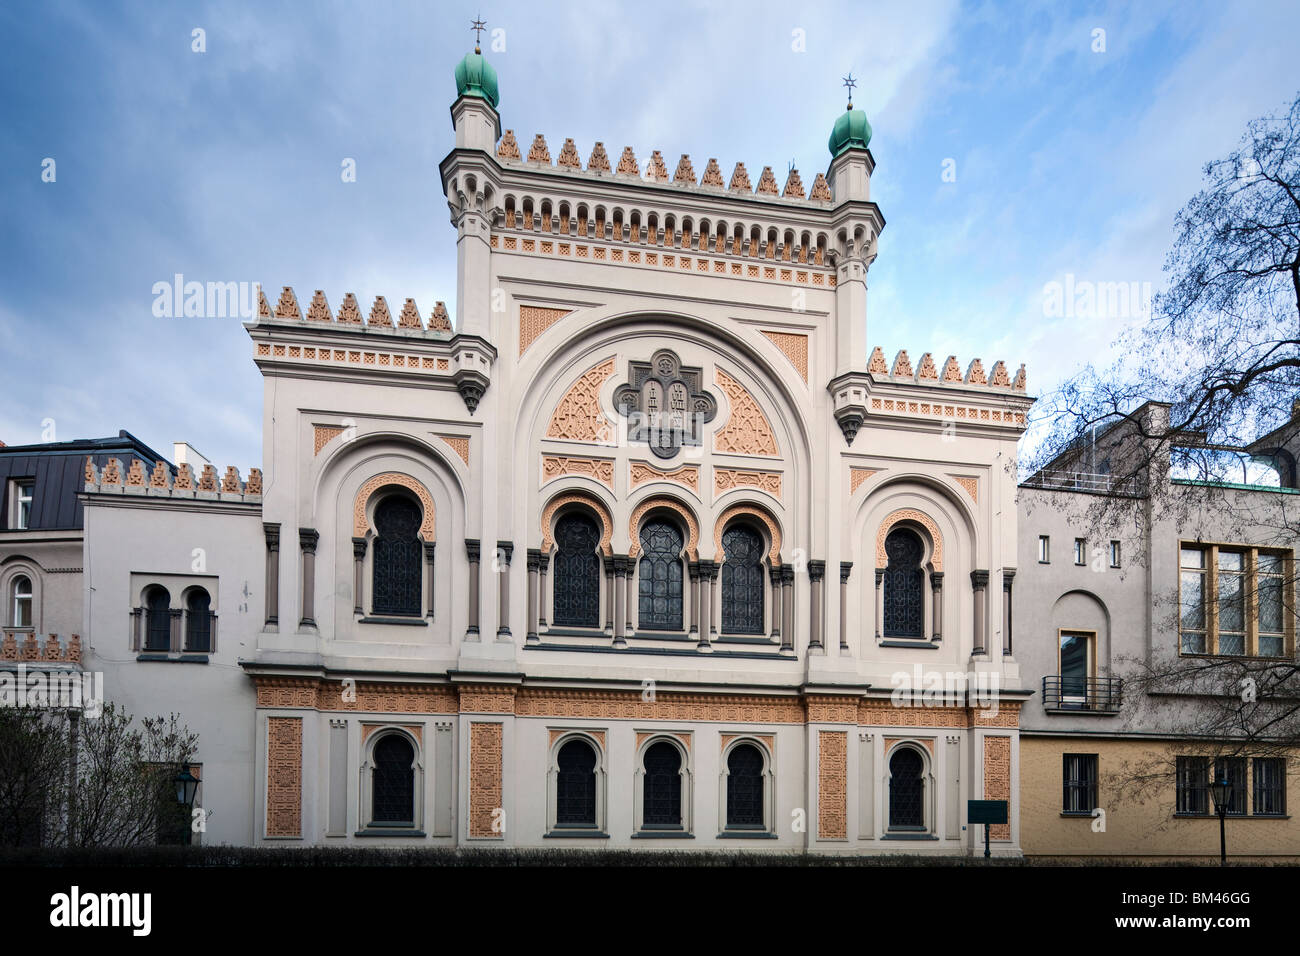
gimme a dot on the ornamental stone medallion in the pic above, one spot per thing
(664, 403)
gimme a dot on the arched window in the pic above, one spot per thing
(662, 796)
(575, 785)
(906, 789)
(22, 601)
(577, 571)
(660, 577)
(198, 621)
(394, 780)
(397, 562)
(745, 787)
(742, 581)
(158, 620)
(904, 585)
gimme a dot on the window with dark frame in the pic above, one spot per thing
(1044, 549)
(1270, 787)
(1234, 769)
(1218, 610)
(1114, 554)
(575, 785)
(158, 620)
(398, 559)
(576, 597)
(906, 790)
(745, 788)
(1080, 551)
(198, 621)
(393, 781)
(743, 581)
(1192, 785)
(24, 491)
(659, 577)
(1079, 783)
(904, 585)
(662, 787)
(22, 601)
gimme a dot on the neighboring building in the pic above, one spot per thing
(1197, 570)
(637, 553)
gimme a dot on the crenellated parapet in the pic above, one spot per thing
(29, 647)
(160, 482)
(349, 316)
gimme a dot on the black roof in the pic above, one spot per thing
(58, 472)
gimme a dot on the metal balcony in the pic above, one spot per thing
(1098, 695)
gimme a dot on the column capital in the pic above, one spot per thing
(979, 580)
(787, 574)
(846, 568)
(506, 549)
(936, 579)
(473, 550)
(816, 570)
(358, 548)
(1008, 575)
(534, 559)
(272, 531)
(429, 548)
(307, 538)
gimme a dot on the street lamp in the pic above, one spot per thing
(187, 785)
(1221, 791)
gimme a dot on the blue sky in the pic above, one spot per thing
(224, 165)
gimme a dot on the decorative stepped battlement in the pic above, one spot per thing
(349, 316)
(159, 483)
(927, 372)
(19, 645)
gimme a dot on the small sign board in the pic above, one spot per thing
(986, 811)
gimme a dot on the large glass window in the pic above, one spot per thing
(1079, 783)
(1216, 612)
(662, 794)
(1272, 642)
(1192, 617)
(22, 601)
(742, 581)
(575, 785)
(659, 577)
(576, 595)
(906, 790)
(397, 561)
(394, 780)
(1232, 605)
(904, 584)
(1075, 666)
(745, 787)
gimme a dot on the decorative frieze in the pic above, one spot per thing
(747, 430)
(794, 347)
(727, 479)
(598, 469)
(284, 777)
(578, 416)
(832, 785)
(640, 473)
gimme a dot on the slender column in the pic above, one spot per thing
(429, 548)
(816, 575)
(272, 532)
(137, 616)
(1008, 575)
(880, 604)
(505, 551)
(774, 574)
(787, 609)
(177, 630)
(534, 566)
(472, 552)
(846, 567)
(979, 581)
(611, 600)
(358, 573)
(629, 601)
(706, 605)
(711, 605)
(620, 597)
(307, 538)
(542, 592)
(693, 569)
(936, 607)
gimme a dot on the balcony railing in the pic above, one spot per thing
(1090, 482)
(1102, 695)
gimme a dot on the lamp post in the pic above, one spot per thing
(1221, 791)
(187, 785)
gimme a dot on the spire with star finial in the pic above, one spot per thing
(849, 84)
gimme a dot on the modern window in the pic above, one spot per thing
(1114, 554)
(158, 620)
(1231, 601)
(575, 785)
(1080, 551)
(1076, 666)
(906, 790)
(745, 787)
(576, 596)
(23, 491)
(1234, 770)
(1192, 785)
(742, 580)
(662, 787)
(393, 781)
(21, 589)
(1270, 787)
(1079, 783)
(398, 557)
(198, 621)
(904, 585)
(1044, 549)
(659, 576)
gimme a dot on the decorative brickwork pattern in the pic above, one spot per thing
(487, 699)
(538, 153)
(459, 444)
(379, 314)
(767, 183)
(319, 310)
(629, 705)
(600, 469)
(599, 161)
(927, 372)
(951, 370)
(747, 431)
(712, 175)
(832, 710)
(508, 148)
(685, 173)
(902, 365)
(832, 785)
(350, 310)
(821, 190)
(740, 179)
(858, 475)
(439, 320)
(135, 474)
(324, 434)
(409, 318)
(972, 486)
(793, 186)
(284, 777)
(534, 320)
(359, 523)
(578, 417)
(919, 517)
(997, 779)
(485, 745)
(688, 476)
(569, 156)
(877, 364)
(627, 163)
(51, 649)
(794, 347)
(726, 479)
(287, 307)
(655, 168)
(975, 373)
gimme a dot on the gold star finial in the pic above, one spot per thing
(849, 83)
(478, 26)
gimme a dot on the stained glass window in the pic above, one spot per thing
(577, 572)
(745, 787)
(660, 577)
(394, 780)
(575, 786)
(742, 581)
(906, 790)
(397, 561)
(662, 796)
(904, 585)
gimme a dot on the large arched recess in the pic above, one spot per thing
(332, 495)
(636, 335)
